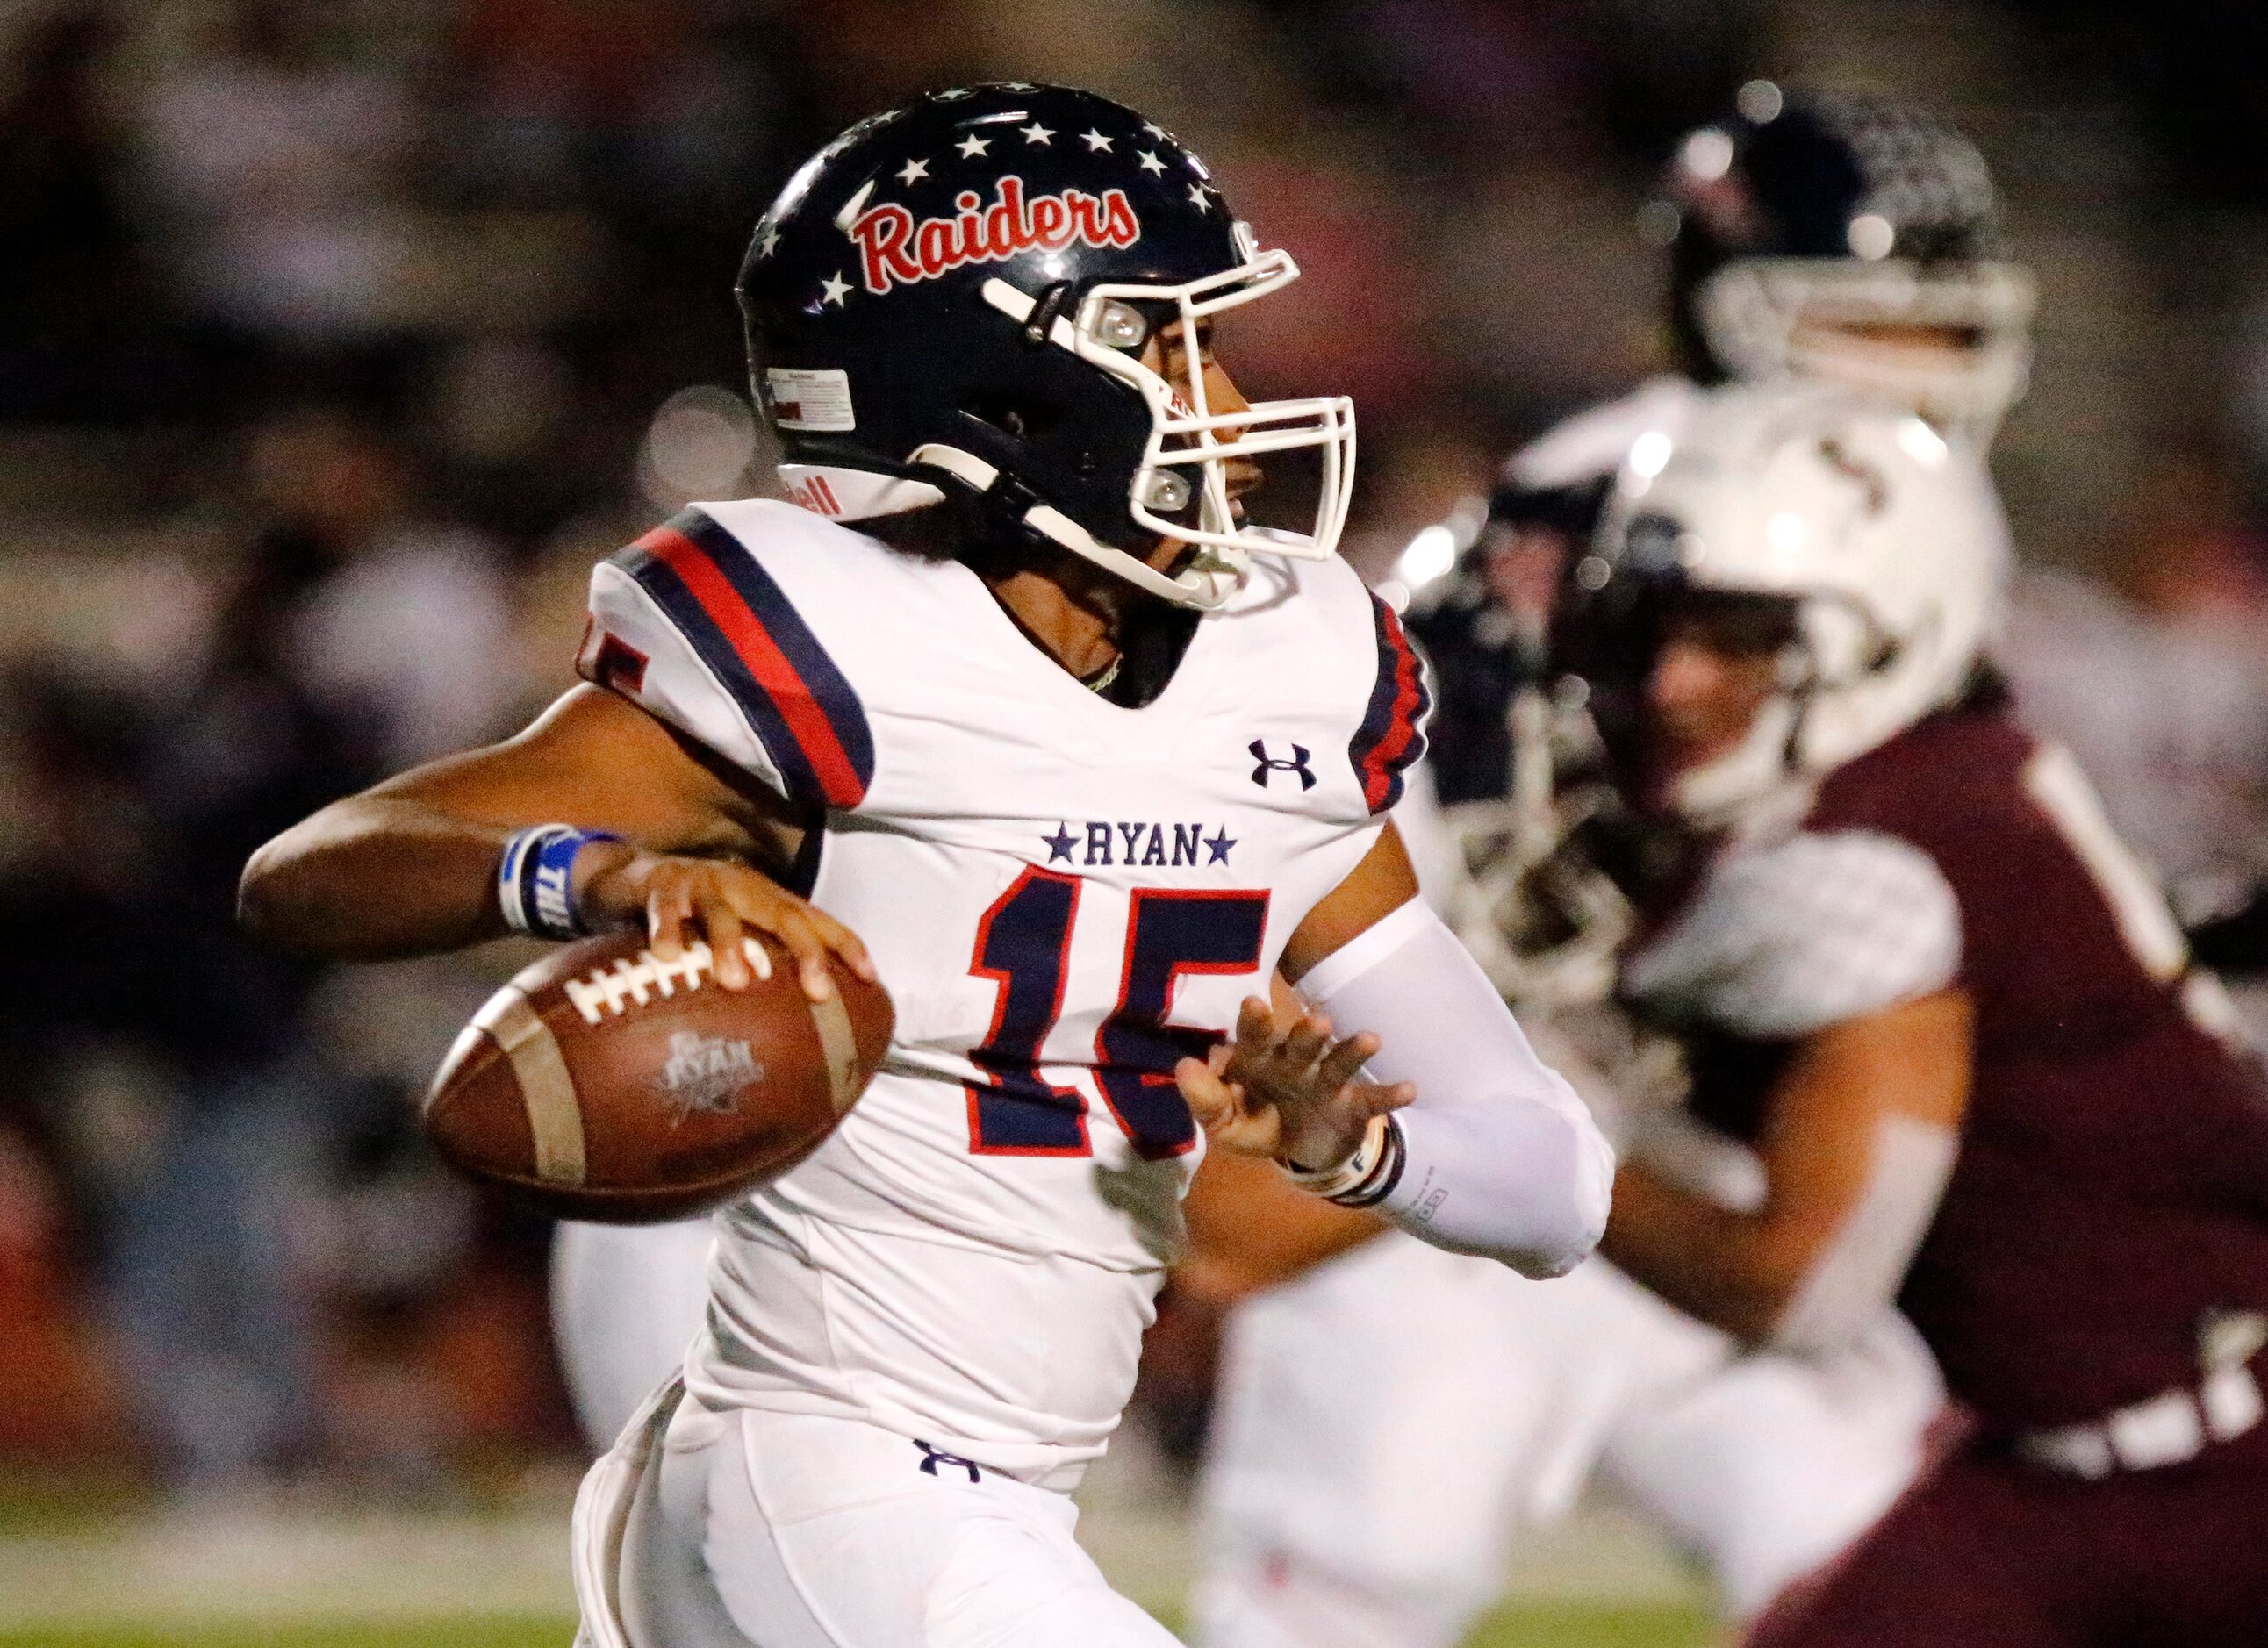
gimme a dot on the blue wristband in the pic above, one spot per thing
(536, 879)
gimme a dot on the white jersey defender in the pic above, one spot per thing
(1064, 897)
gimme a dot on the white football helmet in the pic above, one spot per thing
(1887, 543)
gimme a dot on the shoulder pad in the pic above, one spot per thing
(689, 624)
(1785, 940)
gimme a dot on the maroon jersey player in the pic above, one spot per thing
(1920, 976)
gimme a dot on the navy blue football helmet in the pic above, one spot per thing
(1800, 218)
(954, 298)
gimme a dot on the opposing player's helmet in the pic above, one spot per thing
(1878, 549)
(1800, 216)
(954, 295)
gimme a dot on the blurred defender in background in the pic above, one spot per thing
(1915, 968)
(1819, 239)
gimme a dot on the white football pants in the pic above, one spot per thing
(734, 1528)
(626, 1302)
(1386, 1424)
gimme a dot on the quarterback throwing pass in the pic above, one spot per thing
(1086, 754)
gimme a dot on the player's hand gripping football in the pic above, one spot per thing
(688, 900)
(1285, 1088)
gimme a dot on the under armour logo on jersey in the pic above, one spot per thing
(931, 1458)
(1271, 764)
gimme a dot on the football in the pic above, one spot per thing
(606, 1083)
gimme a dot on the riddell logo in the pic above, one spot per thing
(815, 496)
(892, 247)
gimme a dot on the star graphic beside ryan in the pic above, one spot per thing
(1095, 842)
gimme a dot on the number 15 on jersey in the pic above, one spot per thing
(1023, 945)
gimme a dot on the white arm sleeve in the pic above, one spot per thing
(1500, 1157)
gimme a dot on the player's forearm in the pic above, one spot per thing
(374, 876)
(1727, 1268)
(1250, 1228)
(1506, 1177)
(410, 867)
(1863, 1129)
(1500, 1157)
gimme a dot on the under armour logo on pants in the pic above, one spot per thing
(931, 1458)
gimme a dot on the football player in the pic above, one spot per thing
(1811, 238)
(1808, 235)
(1920, 975)
(1074, 753)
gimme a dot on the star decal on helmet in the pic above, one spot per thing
(771, 239)
(1017, 85)
(949, 225)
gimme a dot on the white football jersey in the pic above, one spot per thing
(1064, 897)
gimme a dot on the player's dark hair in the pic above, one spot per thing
(964, 528)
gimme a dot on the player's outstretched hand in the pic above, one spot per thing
(1285, 1088)
(685, 900)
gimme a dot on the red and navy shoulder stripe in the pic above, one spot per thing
(1389, 738)
(744, 628)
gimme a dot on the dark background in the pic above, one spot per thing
(337, 340)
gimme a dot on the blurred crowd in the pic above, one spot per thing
(338, 339)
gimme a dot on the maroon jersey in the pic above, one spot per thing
(2111, 1188)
